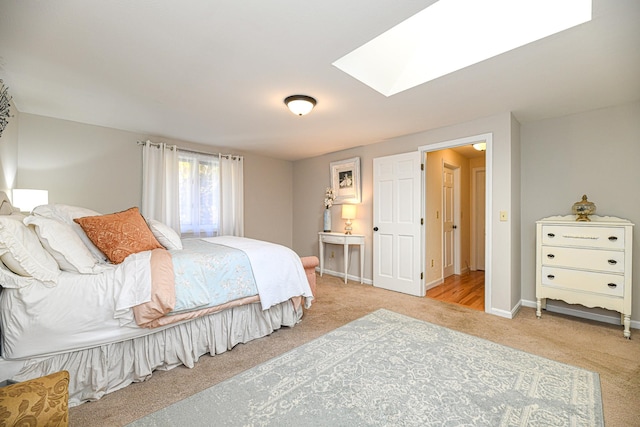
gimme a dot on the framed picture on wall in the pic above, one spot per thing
(345, 180)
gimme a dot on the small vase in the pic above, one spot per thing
(327, 220)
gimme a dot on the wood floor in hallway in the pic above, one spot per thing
(465, 289)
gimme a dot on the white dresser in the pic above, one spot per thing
(586, 262)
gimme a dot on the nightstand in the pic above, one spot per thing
(345, 240)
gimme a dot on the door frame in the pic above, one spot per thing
(488, 244)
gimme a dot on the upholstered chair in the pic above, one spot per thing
(37, 402)
(309, 263)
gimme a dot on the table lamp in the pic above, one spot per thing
(348, 213)
(27, 199)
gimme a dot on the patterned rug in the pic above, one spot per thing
(387, 369)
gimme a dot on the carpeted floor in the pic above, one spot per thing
(590, 345)
(388, 369)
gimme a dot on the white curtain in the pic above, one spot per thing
(160, 197)
(231, 196)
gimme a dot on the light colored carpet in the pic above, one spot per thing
(389, 369)
(590, 345)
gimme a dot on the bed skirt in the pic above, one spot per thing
(97, 371)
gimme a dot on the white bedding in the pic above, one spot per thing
(86, 310)
(276, 282)
(78, 313)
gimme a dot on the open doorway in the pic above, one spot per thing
(455, 206)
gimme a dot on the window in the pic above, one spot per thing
(199, 190)
(197, 194)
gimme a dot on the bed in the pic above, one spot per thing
(111, 298)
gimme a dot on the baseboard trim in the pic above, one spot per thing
(605, 318)
(504, 313)
(433, 284)
(349, 276)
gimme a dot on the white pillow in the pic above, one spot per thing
(166, 236)
(59, 239)
(67, 214)
(8, 279)
(22, 253)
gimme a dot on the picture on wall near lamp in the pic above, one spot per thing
(345, 180)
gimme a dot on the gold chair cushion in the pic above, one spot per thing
(38, 402)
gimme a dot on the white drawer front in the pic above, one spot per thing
(592, 237)
(589, 259)
(601, 283)
(340, 240)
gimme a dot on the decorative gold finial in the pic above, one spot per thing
(583, 209)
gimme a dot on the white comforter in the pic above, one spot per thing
(277, 269)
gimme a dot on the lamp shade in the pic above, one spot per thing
(348, 211)
(27, 199)
(300, 104)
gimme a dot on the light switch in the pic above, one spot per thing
(503, 215)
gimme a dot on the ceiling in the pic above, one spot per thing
(216, 72)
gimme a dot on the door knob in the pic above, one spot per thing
(375, 228)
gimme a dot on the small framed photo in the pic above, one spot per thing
(345, 180)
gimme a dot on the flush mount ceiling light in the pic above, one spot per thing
(480, 146)
(453, 34)
(300, 104)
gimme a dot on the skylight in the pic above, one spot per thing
(453, 34)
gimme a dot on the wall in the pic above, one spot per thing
(594, 153)
(9, 152)
(268, 200)
(101, 168)
(84, 165)
(311, 177)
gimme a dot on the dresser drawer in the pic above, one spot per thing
(601, 283)
(339, 240)
(588, 259)
(584, 236)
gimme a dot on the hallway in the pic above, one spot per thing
(466, 289)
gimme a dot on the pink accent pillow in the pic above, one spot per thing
(119, 234)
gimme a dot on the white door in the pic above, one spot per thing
(448, 221)
(396, 221)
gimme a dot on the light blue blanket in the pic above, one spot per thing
(207, 274)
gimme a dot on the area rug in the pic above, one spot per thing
(387, 369)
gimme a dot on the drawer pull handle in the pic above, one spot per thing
(613, 238)
(551, 256)
(551, 235)
(612, 285)
(612, 262)
(551, 276)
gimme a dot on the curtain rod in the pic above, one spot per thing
(175, 147)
